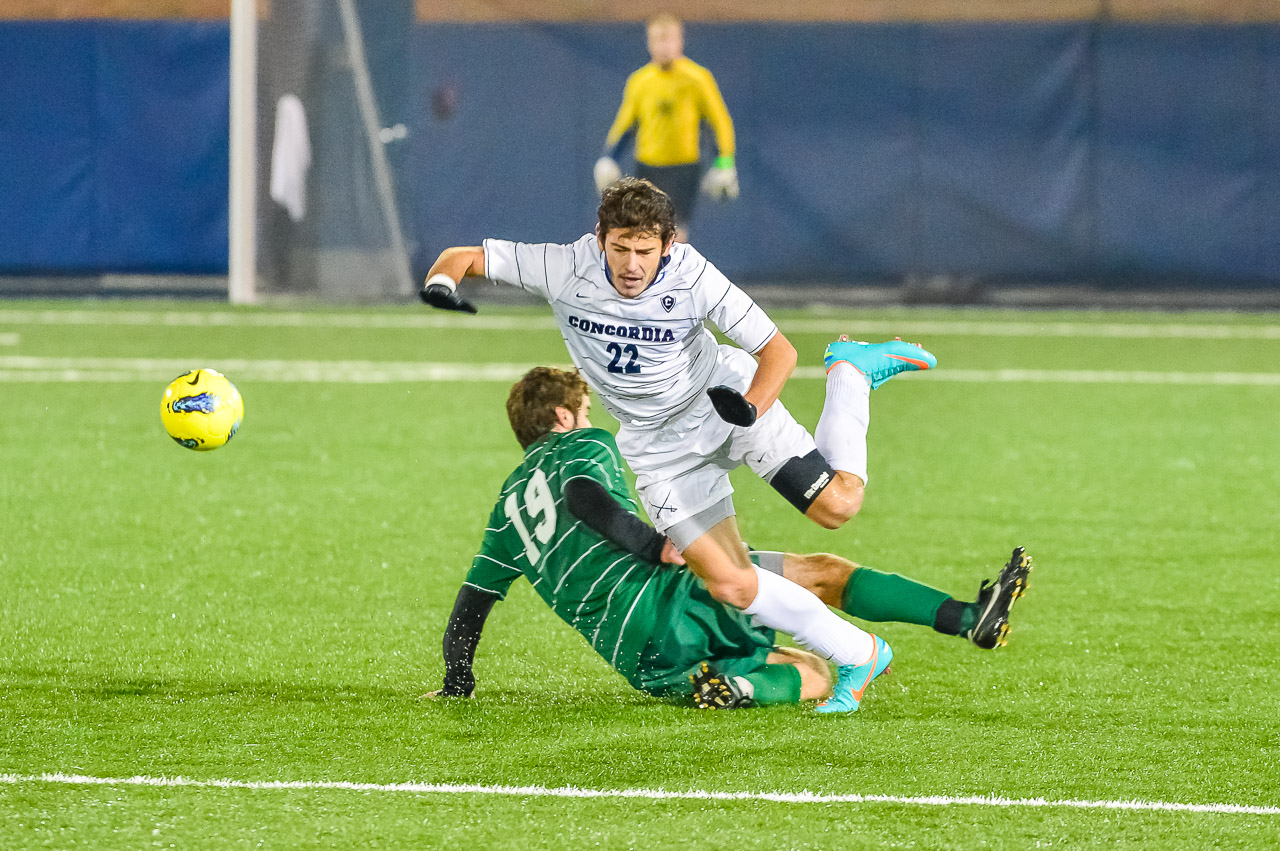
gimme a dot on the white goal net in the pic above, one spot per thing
(325, 219)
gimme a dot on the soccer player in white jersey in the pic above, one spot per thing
(631, 304)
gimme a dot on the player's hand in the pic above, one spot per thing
(606, 172)
(441, 292)
(721, 182)
(671, 555)
(732, 406)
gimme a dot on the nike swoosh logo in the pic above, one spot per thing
(195, 378)
(920, 364)
(875, 657)
(582, 295)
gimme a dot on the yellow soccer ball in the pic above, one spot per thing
(201, 409)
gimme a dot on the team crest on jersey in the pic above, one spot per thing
(668, 302)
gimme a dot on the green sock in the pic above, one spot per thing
(775, 684)
(876, 596)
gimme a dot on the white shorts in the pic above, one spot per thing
(682, 468)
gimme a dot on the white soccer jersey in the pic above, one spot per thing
(651, 357)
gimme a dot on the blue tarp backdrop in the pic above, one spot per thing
(1121, 153)
(113, 146)
(1078, 151)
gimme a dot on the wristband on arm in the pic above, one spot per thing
(721, 180)
(441, 291)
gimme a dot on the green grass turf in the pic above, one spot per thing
(270, 611)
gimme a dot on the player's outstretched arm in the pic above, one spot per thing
(591, 502)
(453, 264)
(777, 359)
(470, 610)
(721, 180)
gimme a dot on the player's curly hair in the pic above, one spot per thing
(635, 204)
(531, 406)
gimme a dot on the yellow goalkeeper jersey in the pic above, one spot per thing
(668, 107)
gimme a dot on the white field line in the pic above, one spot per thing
(31, 369)
(251, 319)
(1076, 376)
(9, 339)
(834, 326)
(37, 369)
(968, 328)
(651, 794)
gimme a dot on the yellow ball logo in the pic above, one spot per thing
(201, 409)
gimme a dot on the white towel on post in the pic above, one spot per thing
(290, 157)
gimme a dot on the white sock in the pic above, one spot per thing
(841, 434)
(787, 607)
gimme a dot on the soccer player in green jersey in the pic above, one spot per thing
(565, 520)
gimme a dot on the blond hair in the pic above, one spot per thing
(664, 19)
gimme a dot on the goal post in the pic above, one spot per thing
(242, 207)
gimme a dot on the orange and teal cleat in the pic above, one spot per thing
(879, 361)
(853, 680)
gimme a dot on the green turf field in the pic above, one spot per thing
(272, 610)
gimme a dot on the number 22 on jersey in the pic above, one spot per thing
(540, 507)
(624, 358)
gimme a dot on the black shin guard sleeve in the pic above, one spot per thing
(461, 636)
(590, 502)
(801, 479)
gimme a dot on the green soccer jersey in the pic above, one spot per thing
(610, 596)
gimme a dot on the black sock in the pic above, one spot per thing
(955, 617)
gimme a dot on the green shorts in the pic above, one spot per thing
(699, 628)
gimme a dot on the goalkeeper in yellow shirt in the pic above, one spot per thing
(665, 103)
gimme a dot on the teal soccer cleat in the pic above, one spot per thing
(854, 679)
(879, 361)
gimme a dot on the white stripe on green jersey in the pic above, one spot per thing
(622, 630)
(532, 533)
(650, 357)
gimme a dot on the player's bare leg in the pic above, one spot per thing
(815, 674)
(838, 501)
(720, 560)
(824, 574)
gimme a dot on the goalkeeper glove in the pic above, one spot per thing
(732, 406)
(442, 292)
(721, 180)
(606, 172)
